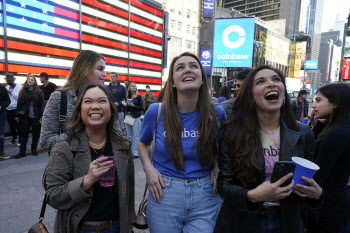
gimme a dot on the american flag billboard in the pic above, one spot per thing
(46, 36)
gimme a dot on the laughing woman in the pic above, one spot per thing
(75, 165)
(260, 131)
(181, 179)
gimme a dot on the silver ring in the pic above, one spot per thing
(98, 165)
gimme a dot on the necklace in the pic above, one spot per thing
(103, 148)
(98, 145)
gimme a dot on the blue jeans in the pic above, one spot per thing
(114, 228)
(2, 130)
(121, 120)
(269, 224)
(133, 133)
(188, 206)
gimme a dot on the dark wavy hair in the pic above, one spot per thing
(225, 92)
(29, 95)
(339, 95)
(76, 125)
(241, 133)
(207, 124)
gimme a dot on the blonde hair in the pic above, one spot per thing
(82, 65)
(129, 92)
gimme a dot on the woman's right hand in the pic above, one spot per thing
(97, 168)
(271, 191)
(155, 183)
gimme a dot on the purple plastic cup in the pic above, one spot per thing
(305, 168)
(304, 121)
(107, 179)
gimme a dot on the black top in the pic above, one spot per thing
(135, 111)
(51, 87)
(104, 204)
(4, 98)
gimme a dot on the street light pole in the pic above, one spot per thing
(304, 76)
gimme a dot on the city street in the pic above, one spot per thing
(21, 193)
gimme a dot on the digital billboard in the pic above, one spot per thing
(206, 53)
(311, 64)
(346, 69)
(208, 9)
(233, 42)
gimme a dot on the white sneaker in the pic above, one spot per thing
(4, 156)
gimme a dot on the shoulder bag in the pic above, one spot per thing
(141, 218)
(40, 227)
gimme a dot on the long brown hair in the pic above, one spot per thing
(241, 133)
(26, 94)
(207, 124)
(75, 123)
(82, 65)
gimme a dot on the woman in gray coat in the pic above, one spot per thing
(72, 175)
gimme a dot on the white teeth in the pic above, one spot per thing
(188, 79)
(271, 93)
(96, 115)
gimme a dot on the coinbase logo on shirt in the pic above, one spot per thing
(233, 42)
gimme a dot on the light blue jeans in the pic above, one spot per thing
(188, 206)
(120, 120)
(133, 133)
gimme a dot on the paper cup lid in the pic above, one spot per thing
(305, 163)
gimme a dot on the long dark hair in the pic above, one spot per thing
(76, 125)
(241, 132)
(29, 95)
(207, 123)
(339, 95)
(225, 92)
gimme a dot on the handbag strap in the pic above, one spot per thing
(153, 144)
(43, 208)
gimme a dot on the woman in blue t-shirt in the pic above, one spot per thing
(182, 178)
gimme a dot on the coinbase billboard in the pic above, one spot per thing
(311, 64)
(233, 42)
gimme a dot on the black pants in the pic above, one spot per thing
(11, 115)
(25, 123)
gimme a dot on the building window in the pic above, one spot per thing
(179, 26)
(188, 14)
(188, 29)
(193, 30)
(172, 24)
(190, 46)
(172, 10)
(180, 12)
(176, 42)
(194, 14)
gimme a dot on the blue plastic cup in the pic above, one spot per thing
(305, 168)
(304, 121)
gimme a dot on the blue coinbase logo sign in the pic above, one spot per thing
(233, 42)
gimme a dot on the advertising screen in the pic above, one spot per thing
(208, 9)
(206, 53)
(233, 42)
(311, 64)
(346, 69)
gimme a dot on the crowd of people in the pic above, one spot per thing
(212, 163)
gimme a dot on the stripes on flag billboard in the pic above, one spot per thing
(45, 36)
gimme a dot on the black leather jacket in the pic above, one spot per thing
(135, 111)
(240, 215)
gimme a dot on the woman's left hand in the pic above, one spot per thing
(213, 175)
(131, 104)
(312, 191)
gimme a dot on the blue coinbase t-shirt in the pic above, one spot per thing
(161, 161)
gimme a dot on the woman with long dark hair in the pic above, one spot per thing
(332, 154)
(260, 131)
(224, 94)
(76, 164)
(181, 179)
(30, 108)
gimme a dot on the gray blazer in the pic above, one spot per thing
(67, 166)
(50, 127)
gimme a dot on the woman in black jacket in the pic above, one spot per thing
(132, 120)
(332, 154)
(260, 131)
(30, 108)
(4, 102)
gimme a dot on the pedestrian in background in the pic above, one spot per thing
(300, 106)
(148, 98)
(332, 154)
(13, 91)
(30, 108)
(261, 130)
(88, 68)
(48, 87)
(224, 94)
(134, 107)
(75, 166)
(4, 102)
(119, 94)
(181, 178)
